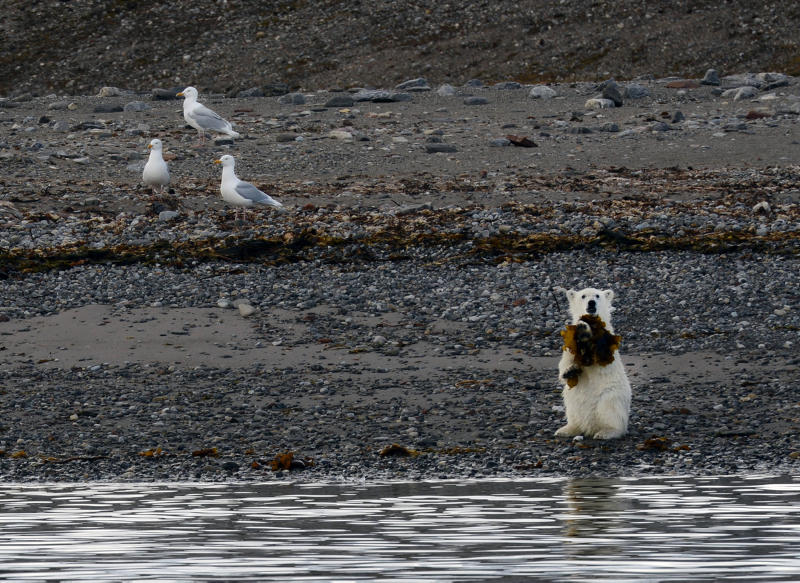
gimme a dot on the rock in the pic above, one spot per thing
(107, 108)
(610, 127)
(252, 92)
(418, 84)
(474, 83)
(598, 103)
(245, 309)
(611, 91)
(343, 135)
(636, 91)
(286, 137)
(136, 106)
(542, 92)
(275, 89)
(475, 101)
(159, 94)
(224, 303)
(166, 216)
(739, 93)
(340, 101)
(110, 92)
(521, 141)
(378, 340)
(381, 96)
(446, 91)
(58, 105)
(678, 117)
(499, 143)
(61, 126)
(292, 99)
(770, 81)
(440, 148)
(762, 207)
(710, 78)
(507, 85)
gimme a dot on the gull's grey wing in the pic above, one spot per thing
(250, 192)
(208, 119)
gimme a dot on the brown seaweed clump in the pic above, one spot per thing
(591, 344)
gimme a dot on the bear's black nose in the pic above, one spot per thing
(591, 307)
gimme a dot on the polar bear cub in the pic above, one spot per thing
(599, 404)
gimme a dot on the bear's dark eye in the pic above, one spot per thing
(583, 297)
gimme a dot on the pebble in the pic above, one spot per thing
(475, 100)
(542, 92)
(711, 78)
(598, 103)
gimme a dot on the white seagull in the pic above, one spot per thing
(156, 173)
(201, 118)
(239, 193)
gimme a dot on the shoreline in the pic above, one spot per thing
(406, 297)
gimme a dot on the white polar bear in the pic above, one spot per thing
(598, 406)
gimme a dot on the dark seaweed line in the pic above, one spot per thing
(308, 245)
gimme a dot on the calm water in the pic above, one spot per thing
(670, 529)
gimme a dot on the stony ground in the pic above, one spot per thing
(407, 294)
(77, 47)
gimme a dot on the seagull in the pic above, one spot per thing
(239, 193)
(201, 118)
(156, 173)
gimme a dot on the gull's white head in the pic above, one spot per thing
(189, 93)
(226, 161)
(155, 144)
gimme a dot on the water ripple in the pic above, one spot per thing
(672, 529)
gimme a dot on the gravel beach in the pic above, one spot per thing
(399, 319)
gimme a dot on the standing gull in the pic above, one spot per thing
(156, 173)
(201, 118)
(239, 193)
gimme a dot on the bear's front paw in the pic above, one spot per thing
(571, 375)
(583, 332)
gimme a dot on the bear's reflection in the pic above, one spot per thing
(595, 511)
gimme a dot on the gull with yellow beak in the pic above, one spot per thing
(202, 118)
(239, 193)
(155, 173)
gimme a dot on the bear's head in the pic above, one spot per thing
(591, 301)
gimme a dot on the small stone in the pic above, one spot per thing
(136, 106)
(499, 143)
(246, 310)
(610, 127)
(166, 216)
(58, 105)
(636, 91)
(107, 108)
(224, 303)
(340, 101)
(159, 94)
(678, 117)
(475, 101)
(508, 85)
(110, 92)
(542, 92)
(343, 135)
(292, 99)
(61, 126)
(286, 137)
(378, 340)
(611, 91)
(710, 78)
(599, 103)
(446, 91)
(413, 84)
(739, 93)
(252, 92)
(440, 148)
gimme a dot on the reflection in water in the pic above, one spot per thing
(595, 510)
(665, 529)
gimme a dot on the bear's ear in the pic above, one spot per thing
(609, 294)
(570, 293)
